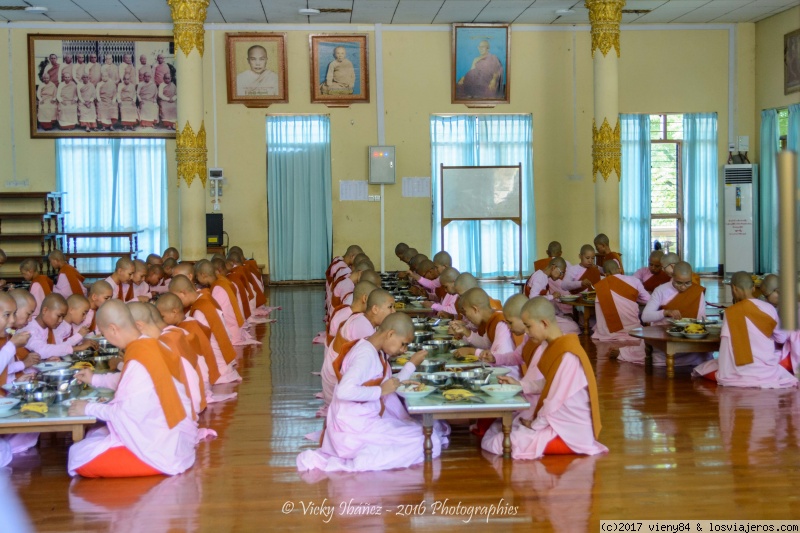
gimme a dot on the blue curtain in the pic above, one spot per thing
(299, 196)
(485, 248)
(768, 193)
(700, 186)
(634, 191)
(114, 185)
(793, 137)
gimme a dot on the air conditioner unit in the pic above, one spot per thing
(741, 217)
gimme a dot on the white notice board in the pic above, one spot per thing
(490, 193)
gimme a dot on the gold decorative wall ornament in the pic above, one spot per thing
(606, 150)
(188, 17)
(605, 17)
(191, 154)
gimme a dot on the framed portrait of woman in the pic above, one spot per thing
(339, 69)
(480, 64)
(256, 68)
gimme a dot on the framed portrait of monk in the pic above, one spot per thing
(256, 69)
(480, 64)
(102, 86)
(791, 62)
(339, 69)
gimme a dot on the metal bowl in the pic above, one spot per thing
(414, 347)
(57, 377)
(442, 345)
(46, 397)
(475, 384)
(109, 350)
(100, 362)
(83, 355)
(69, 394)
(464, 378)
(434, 380)
(422, 336)
(431, 365)
(25, 387)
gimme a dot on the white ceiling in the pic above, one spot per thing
(399, 11)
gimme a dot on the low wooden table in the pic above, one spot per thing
(588, 311)
(56, 420)
(657, 337)
(419, 311)
(435, 407)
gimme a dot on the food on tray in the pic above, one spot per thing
(676, 329)
(465, 358)
(82, 365)
(36, 407)
(694, 329)
(456, 394)
(412, 386)
(399, 305)
(401, 360)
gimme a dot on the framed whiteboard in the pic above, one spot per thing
(481, 193)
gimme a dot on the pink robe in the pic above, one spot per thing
(662, 295)
(235, 332)
(211, 397)
(629, 315)
(141, 289)
(358, 436)
(540, 281)
(87, 323)
(38, 342)
(503, 343)
(86, 108)
(48, 105)
(148, 108)
(67, 104)
(554, 286)
(532, 382)
(115, 289)
(447, 305)
(8, 360)
(63, 287)
(572, 278)
(37, 292)
(107, 110)
(764, 372)
(68, 333)
(356, 326)
(227, 372)
(643, 274)
(135, 419)
(126, 95)
(566, 413)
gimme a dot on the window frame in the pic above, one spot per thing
(679, 216)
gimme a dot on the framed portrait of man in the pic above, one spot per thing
(480, 64)
(339, 69)
(791, 62)
(256, 68)
(104, 86)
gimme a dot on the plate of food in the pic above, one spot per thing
(500, 370)
(44, 367)
(413, 390)
(695, 331)
(681, 321)
(675, 331)
(502, 392)
(6, 404)
(568, 297)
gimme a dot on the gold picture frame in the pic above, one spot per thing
(339, 69)
(256, 69)
(92, 109)
(791, 62)
(480, 70)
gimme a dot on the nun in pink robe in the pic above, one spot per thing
(47, 110)
(135, 419)
(539, 282)
(227, 372)
(566, 413)
(631, 349)
(355, 327)
(361, 435)
(238, 335)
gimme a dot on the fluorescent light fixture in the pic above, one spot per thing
(308, 11)
(565, 11)
(39, 9)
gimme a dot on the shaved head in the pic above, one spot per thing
(443, 259)
(371, 276)
(140, 312)
(23, 297)
(6, 300)
(205, 268)
(363, 288)
(769, 284)
(416, 260)
(154, 259)
(58, 255)
(124, 263)
(77, 300)
(682, 268)
(237, 250)
(657, 254)
(360, 257)
(29, 265)
(100, 287)
(169, 302)
(742, 280)
(378, 297)
(586, 248)
(559, 262)
(611, 267)
(400, 248)
(554, 248)
(513, 306)
(54, 301)
(408, 254)
(539, 308)
(220, 265)
(139, 265)
(170, 263)
(449, 275)
(669, 259)
(183, 269)
(601, 238)
(362, 266)
(181, 283)
(352, 251)
(172, 253)
(424, 266)
(476, 297)
(400, 323)
(465, 282)
(117, 313)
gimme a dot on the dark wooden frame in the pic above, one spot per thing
(33, 78)
(341, 100)
(789, 57)
(482, 101)
(232, 60)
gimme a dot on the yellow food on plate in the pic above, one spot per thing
(456, 394)
(401, 360)
(399, 305)
(36, 407)
(81, 365)
(467, 358)
(694, 329)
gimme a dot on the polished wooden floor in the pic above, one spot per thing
(680, 449)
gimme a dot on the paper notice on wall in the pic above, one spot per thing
(353, 190)
(416, 187)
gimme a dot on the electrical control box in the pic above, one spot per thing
(381, 165)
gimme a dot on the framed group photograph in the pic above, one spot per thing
(339, 69)
(85, 86)
(480, 64)
(256, 68)
(791, 62)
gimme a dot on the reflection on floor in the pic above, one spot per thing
(680, 449)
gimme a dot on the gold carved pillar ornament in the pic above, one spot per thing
(191, 154)
(606, 150)
(188, 17)
(605, 17)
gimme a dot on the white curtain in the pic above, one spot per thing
(634, 191)
(485, 248)
(114, 185)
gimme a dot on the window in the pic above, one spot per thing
(114, 185)
(666, 191)
(485, 248)
(783, 127)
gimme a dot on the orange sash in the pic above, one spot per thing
(163, 366)
(335, 300)
(376, 382)
(592, 274)
(541, 264)
(526, 290)
(236, 279)
(490, 327)
(527, 355)
(252, 267)
(51, 338)
(440, 292)
(329, 336)
(74, 278)
(497, 305)
(551, 361)
(737, 316)
(329, 271)
(177, 341)
(239, 271)
(46, 283)
(200, 340)
(228, 287)
(129, 294)
(120, 296)
(204, 305)
(687, 302)
(610, 256)
(605, 287)
(656, 280)
(343, 350)
(92, 324)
